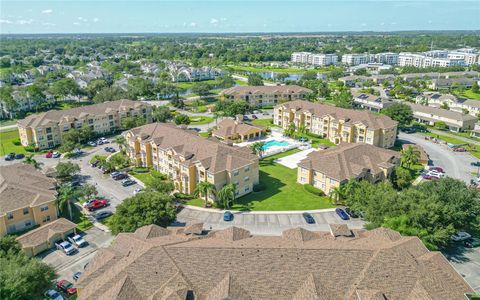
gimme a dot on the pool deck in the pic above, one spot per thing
(291, 161)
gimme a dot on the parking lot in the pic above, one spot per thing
(467, 263)
(265, 223)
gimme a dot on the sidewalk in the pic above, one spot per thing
(466, 140)
(279, 212)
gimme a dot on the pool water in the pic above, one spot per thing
(273, 143)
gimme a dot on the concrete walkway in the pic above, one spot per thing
(8, 127)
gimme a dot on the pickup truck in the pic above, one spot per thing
(66, 247)
(77, 240)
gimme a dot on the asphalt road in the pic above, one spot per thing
(455, 164)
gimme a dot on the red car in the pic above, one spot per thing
(97, 204)
(66, 287)
(49, 154)
(438, 169)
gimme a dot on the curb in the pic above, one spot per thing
(280, 212)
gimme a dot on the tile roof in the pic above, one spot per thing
(349, 160)
(43, 233)
(21, 185)
(229, 127)
(210, 153)
(264, 89)
(349, 115)
(449, 114)
(376, 264)
(72, 114)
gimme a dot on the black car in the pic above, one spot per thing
(10, 156)
(351, 213)
(475, 164)
(119, 176)
(308, 218)
(103, 214)
(19, 156)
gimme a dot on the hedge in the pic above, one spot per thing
(313, 190)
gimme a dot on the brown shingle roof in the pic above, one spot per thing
(370, 264)
(349, 160)
(278, 89)
(42, 234)
(212, 154)
(21, 185)
(449, 114)
(350, 116)
(70, 115)
(229, 127)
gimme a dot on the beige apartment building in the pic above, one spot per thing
(259, 96)
(188, 158)
(45, 130)
(337, 124)
(335, 166)
(27, 198)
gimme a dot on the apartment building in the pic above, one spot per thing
(371, 102)
(46, 130)
(341, 263)
(337, 124)
(27, 198)
(388, 58)
(421, 60)
(259, 96)
(455, 121)
(472, 107)
(447, 83)
(317, 59)
(357, 59)
(188, 158)
(328, 169)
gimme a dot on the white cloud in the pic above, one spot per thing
(192, 24)
(47, 11)
(393, 23)
(82, 19)
(48, 24)
(383, 23)
(95, 20)
(214, 21)
(363, 24)
(223, 19)
(24, 22)
(2, 21)
(76, 23)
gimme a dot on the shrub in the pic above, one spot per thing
(259, 187)
(140, 170)
(313, 190)
(31, 149)
(182, 196)
(16, 142)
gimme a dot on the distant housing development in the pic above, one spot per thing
(188, 158)
(371, 102)
(45, 130)
(265, 95)
(27, 198)
(455, 121)
(158, 263)
(337, 124)
(333, 167)
(472, 107)
(314, 59)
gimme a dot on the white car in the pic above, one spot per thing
(93, 144)
(66, 247)
(87, 203)
(56, 154)
(460, 236)
(77, 240)
(435, 174)
(137, 190)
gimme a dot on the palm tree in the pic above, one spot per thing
(257, 148)
(290, 130)
(65, 196)
(31, 161)
(226, 195)
(120, 141)
(204, 188)
(409, 156)
(336, 194)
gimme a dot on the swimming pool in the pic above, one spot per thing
(274, 143)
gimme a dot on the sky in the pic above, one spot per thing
(162, 16)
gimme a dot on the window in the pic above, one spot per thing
(235, 173)
(26, 211)
(247, 168)
(247, 189)
(46, 219)
(28, 223)
(110, 117)
(49, 137)
(246, 178)
(44, 208)
(48, 130)
(9, 216)
(90, 121)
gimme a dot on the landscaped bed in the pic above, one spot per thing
(199, 120)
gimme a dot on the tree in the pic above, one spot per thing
(205, 188)
(66, 170)
(290, 131)
(31, 161)
(409, 156)
(182, 119)
(257, 148)
(226, 195)
(343, 99)
(337, 194)
(161, 185)
(440, 125)
(95, 86)
(22, 277)
(143, 209)
(162, 114)
(201, 88)
(231, 108)
(131, 122)
(225, 81)
(400, 112)
(255, 80)
(475, 88)
(64, 87)
(444, 105)
(120, 140)
(109, 94)
(401, 177)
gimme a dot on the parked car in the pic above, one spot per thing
(246, 118)
(97, 204)
(196, 129)
(56, 154)
(408, 130)
(88, 202)
(92, 143)
(120, 176)
(19, 156)
(102, 214)
(49, 154)
(110, 149)
(460, 236)
(53, 295)
(254, 117)
(308, 218)
(459, 149)
(9, 157)
(77, 240)
(472, 243)
(342, 214)
(351, 213)
(77, 275)
(105, 171)
(128, 182)
(435, 174)
(430, 177)
(475, 164)
(73, 183)
(66, 247)
(437, 169)
(115, 173)
(66, 287)
(137, 190)
(227, 216)
(95, 163)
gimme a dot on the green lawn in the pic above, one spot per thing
(143, 177)
(203, 134)
(282, 192)
(264, 122)
(7, 122)
(199, 120)
(470, 95)
(266, 69)
(79, 218)
(240, 82)
(316, 140)
(7, 139)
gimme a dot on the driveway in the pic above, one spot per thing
(455, 164)
(291, 161)
(467, 263)
(265, 223)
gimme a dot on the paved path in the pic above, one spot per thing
(291, 161)
(265, 223)
(455, 164)
(446, 133)
(8, 127)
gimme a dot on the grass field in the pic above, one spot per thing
(264, 122)
(7, 139)
(282, 192)
(199, 120)
(470, 95)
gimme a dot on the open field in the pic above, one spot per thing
(7, 140)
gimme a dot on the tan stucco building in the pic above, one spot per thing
(335, 166)
(188, 158)
(27, 198)
(232, 130)
(337, 124)
(259, 96)
(45, 130)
